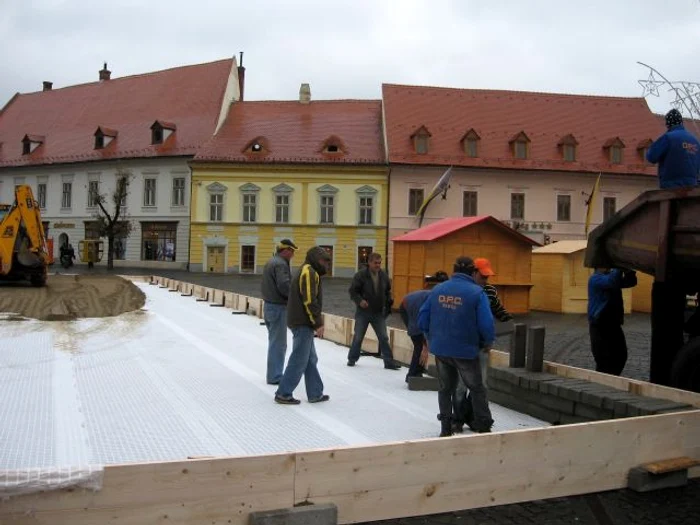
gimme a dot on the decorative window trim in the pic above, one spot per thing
(366, 192)
(249, 189)
(216, 188)
(327, 188)
(282, 190)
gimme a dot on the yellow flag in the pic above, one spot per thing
(591, 202)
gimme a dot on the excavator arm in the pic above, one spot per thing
(23, 250)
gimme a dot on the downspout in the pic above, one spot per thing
(189, 237)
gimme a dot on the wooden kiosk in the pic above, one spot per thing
(560, 280)
(436, 246)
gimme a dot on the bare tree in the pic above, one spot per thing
(115, 224)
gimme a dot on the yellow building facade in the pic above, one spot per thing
(240, 213)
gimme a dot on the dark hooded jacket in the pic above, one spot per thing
(305, 295)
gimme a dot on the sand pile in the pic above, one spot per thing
(67, 297)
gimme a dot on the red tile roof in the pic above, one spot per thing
(292, 132)
(449, 225)
(498, 116)
(189, 97)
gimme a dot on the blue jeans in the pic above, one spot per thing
(362, 320)
(302, 362)
(275, 316)
(469, 370)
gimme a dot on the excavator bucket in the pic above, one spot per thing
(26, 257)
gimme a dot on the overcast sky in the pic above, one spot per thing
(348, 48)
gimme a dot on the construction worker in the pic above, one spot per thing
(276, 279)
(463, 412)
(606, 316)
(457, 322)
(370, 290)
(678, 154)
(410, 305)
(305, 319)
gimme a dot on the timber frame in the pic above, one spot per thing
(383, 481)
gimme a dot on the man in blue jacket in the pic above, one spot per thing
(678, 154)
(606, 316)
(457, 321)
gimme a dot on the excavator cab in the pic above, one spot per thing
(90, 251)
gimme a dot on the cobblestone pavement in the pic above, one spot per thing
(566, 342)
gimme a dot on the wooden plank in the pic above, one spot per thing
(269, 480)
(671, 465)
(439, 475)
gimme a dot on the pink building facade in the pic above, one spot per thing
(528, 159)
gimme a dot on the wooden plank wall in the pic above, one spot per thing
(389, 480)
(510, 256)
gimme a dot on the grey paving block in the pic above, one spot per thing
(324, 514)
(591, 412)
(641, 480)
(556, 403)
(614, 397)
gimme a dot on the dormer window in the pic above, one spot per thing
(160, 131)
(614, 147)
(643, 148)
(421, 140)
(333, 146)
(30, 143)
(568, 145)
(520, 145)
(470, 143)
(257, 146)
(103, 136)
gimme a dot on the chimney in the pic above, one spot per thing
(305, 94)
(241, 77)
(105, 73)
(48, 85)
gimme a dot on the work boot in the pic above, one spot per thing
(390, 364)
(445, 425)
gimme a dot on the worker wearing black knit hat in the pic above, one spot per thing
(678, 154)
(276, 280)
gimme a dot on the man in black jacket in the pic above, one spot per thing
(371, 292)
(305, 319)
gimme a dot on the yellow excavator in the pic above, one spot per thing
(23, 250)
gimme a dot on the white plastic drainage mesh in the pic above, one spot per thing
(181, 379)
